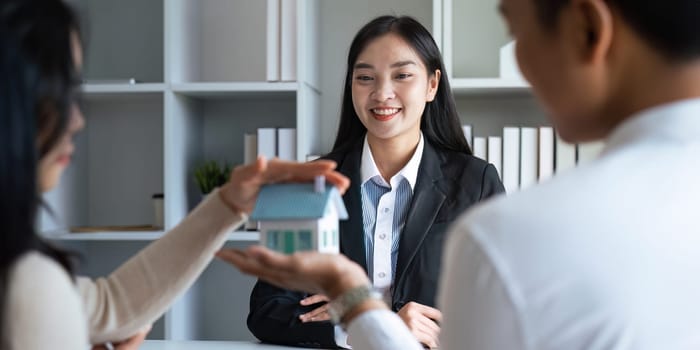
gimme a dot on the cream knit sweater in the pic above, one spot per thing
(45, 309)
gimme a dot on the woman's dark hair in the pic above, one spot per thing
(671, 27)
(440, 123)
(38, 85)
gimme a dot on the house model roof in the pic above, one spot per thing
(296, 202)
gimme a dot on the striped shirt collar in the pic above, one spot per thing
(368, 168)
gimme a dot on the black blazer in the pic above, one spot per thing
(448, 183)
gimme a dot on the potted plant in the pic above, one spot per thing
(210, 176)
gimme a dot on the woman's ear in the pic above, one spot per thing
(433, 83)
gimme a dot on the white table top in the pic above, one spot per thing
(208, 345)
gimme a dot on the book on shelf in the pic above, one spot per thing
(528, 157)
(250, 148)
(508, 65)
(495, 153)
(511, 158)
(479, 148)
(288, 40)
(273, 40)
(267, 142)
(565, 155)
(467, 130)
(546, 150)
(589, 151)
(287, 144)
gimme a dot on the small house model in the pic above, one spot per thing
(299, 217)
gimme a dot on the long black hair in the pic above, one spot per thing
(38, 85)
(440, 122)
(670, 27)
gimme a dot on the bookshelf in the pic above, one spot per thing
(202, 72)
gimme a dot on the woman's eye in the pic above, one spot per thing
(363, 78)
(403, 76)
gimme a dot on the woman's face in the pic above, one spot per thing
(55, 161)
(390, 87)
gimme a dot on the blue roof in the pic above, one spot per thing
(296, 202)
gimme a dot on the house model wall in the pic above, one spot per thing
(288, 236)
(294, 217)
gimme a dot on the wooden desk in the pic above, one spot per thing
(208, 345)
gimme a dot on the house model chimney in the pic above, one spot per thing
(319, 184)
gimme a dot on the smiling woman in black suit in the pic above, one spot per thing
(412, 173)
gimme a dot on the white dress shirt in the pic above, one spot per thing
(384, 209)
(606, 256)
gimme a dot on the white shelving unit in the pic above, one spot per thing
(201, 67)
(488, 86)
(97, 89)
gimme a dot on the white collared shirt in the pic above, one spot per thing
(606, 256)
(384, 209)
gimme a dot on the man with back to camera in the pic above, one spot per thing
(604, 256)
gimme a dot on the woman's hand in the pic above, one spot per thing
(318, 314)
(132, 343)
(423, 322)
(241, 191)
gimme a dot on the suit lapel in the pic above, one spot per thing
(352, 241)
(425, 205)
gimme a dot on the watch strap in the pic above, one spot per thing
(341, 305)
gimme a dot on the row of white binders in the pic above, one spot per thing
(281, 40)
(270, 142)
(524, 156)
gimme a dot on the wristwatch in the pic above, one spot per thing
(341, 305)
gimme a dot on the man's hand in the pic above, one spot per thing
(132, 343)
(318, 314)
(423, 321)
(312, 272)
(241, 191)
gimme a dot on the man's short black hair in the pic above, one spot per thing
(672, 27)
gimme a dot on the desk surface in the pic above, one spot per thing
(208, 345)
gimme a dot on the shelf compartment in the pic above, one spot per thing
(488, 114)
(473, 36)
(117, 50)
(116, 168)
(217, 40)
(212, 128)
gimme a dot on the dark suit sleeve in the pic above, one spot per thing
(274, 318)
(490, 182)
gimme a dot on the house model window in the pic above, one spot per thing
(300, 217)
